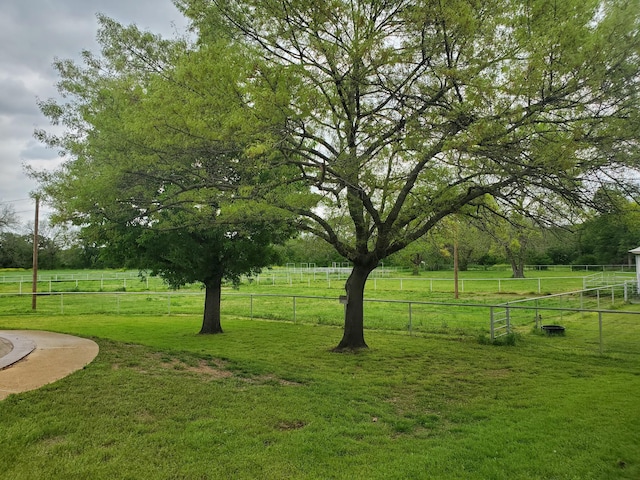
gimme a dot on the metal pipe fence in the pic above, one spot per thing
(334, 280)
(597, 298)
(591, 329)
(64, 277)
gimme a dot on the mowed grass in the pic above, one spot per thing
(269, 400)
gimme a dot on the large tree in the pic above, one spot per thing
(8, 217)
(607, 237)
(156, 160)
(16, 250)
(513, 236)
(399, 113)
(515, 230)
(210, 253)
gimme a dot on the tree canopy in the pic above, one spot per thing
(157, 161)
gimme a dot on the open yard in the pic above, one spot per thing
(268, 399)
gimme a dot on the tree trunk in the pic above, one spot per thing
(353, 337)
(517, 267)
(211, 318)
(517, 263)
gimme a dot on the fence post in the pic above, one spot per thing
(600, 329)
(491, 324)
(613, 296)
(539, 286)
(508, 321)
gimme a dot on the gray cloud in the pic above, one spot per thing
(32, 34)
(16, 97)
(37, 151)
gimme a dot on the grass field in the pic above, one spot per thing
(269, 400)
(537, 282)
(409, 304)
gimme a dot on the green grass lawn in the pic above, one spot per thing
(412, 305)
(268, 400)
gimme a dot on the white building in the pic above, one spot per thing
(636, 252)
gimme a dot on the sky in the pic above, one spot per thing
(33, 33)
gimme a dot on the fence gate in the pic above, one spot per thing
(500, 322)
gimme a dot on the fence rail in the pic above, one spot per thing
(312, 279)
(65, 277)
(610, 331)
(556, 305)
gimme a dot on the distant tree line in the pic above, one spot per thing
(16, 251)
(604, 239)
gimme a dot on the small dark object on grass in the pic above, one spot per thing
(553, 329)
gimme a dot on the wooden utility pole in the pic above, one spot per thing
(455, 266)
(34, 288)
(455, 258)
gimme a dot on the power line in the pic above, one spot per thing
(3, 202)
